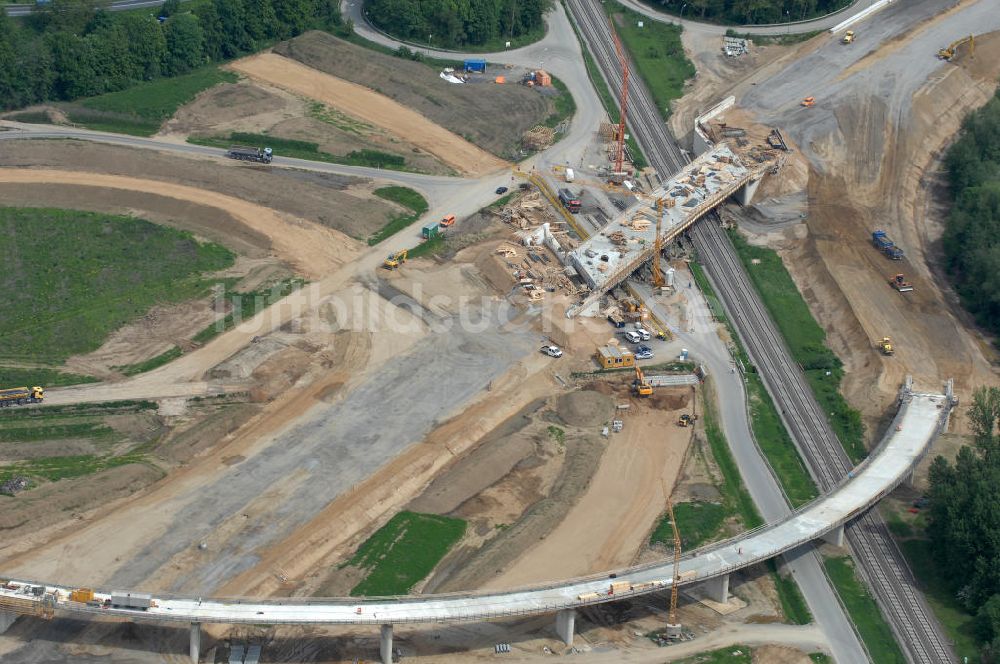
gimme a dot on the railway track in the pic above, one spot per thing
(880, 561)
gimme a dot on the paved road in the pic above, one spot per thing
(703, 28)
(917, 423)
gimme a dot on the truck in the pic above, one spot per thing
(569, 200)
(20, 396)
(130, 600)
(881, 241)
(244, 153)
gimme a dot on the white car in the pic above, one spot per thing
(643, 332)
(552, 351)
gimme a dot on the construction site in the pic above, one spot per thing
(515, 425)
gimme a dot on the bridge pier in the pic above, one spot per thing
(7, 618)
(717, 589)
(746, 193)
(566, 625)
(195, 642)
(835, 536)
(385, 645)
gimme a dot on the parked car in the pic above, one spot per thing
(631, 336)
(643, 332)
(501, 190)
(552, 351)
(643, 352)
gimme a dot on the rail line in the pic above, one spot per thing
(879, 559)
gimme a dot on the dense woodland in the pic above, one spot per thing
(452, 23)
(749, 12)
(76, 48)
(972, 238)
(965, 521)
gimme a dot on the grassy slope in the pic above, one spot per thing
(244, 305)
(728, 655)
(404, 551)
(142, 109)
(806, 340)
(864, 612)
(406, 197)
(74, 277)
(698, 522)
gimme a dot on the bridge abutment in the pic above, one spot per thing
(195, 644)
(566, 625)
(385, 644)
(717, 589)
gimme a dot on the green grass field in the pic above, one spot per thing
(820, 658)
(657, 52)
(151, 363)
(406, 197)
(793, 604)
(11, 377)
(404, 551)
(734, 493)
(142, 109)
(74, 277)
(564, 106)
(728, 655)
(864, 612)
(698, 522)
(806, 340)
(243, 305)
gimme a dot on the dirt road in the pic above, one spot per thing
(367, 105)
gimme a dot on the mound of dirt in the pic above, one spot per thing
(585, 408)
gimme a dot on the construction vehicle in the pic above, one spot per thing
(900, 283)
(882, 242)
(20, 396)
(640, 387)
(848, 37)
(951, 50)
(448, 221)
(885, 346)
(686, 420)
(243, 153)
(808, 102)
(81, 595)
(569, 200)
(395, 260)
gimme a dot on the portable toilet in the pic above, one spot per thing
(430, 230)
(475, 64)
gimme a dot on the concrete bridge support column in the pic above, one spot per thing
(746, 193)
(835, 536)
(718, 589)
(566, 625)
(195, 642)
(385, 647)
(7, 619)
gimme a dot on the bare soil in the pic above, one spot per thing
(493, 117)
(253, 106)
(363, 103)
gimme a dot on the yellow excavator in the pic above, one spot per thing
(640, 387)
(885, 346)
(395, 260)
(948, 53)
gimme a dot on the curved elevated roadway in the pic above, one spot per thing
(917, 422)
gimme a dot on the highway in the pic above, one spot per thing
(879, 559)
(917, 422)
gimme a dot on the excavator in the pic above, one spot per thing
(395, 259)
(885, 346)
(948, 53)
(640, 387)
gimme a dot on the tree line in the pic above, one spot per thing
(749, 12)
(454, 23)
(78, 48)
(964, 521)
(972, 236)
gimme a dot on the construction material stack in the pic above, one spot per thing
(882, 242)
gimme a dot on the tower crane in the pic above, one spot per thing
(658, 280)
(618, 174)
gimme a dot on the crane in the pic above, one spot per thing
(674, 627)
(658, 280)
(620, 148)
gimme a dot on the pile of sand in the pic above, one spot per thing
(585, 408)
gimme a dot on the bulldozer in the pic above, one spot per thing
(900, 283)
(394, 260)
(885, 346)
(640, 387)
(808, 102)
(686, 420)
(951, 50)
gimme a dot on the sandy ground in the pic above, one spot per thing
(372, 107)
(627, 492)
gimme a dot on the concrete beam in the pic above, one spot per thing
(717, 589)
(195, 642)
(566, 625)
(835, 536)
(385, 646)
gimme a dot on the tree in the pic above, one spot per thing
(170, 8)
(185, 45)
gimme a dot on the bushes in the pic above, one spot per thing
(452, 23)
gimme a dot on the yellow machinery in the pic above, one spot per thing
(674, 627)
(885, 346)
(848, 37)
(687, 420)
(81, 595)
(639, 386)
(658, 280)
(395, 260)
(19, 396)
(948, 53)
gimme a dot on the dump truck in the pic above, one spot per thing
(881, 241)
(129, 600)
(848, 37)
(243, 153)
(885, 346)
(900, 283)
(20, 396)
(569, 200)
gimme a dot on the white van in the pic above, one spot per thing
(632, 336)
(570, 175)
(643, 333)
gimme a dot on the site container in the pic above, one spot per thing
(430, 230)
